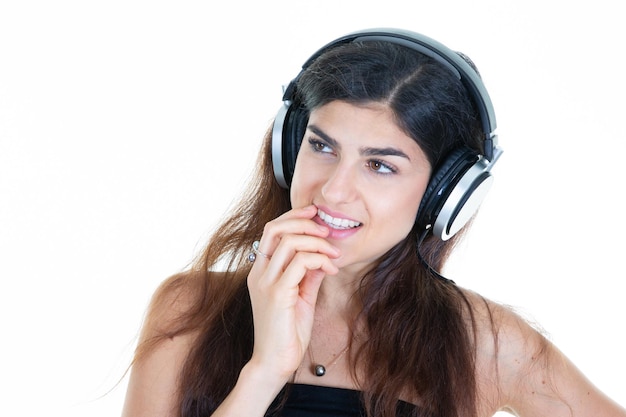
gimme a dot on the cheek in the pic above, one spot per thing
(403, 211)
(299, 186)
(294, 194)
(295, 197)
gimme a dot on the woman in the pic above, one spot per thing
(337, 310)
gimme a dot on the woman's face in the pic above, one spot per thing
(364, 174)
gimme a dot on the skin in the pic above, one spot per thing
(355, 164)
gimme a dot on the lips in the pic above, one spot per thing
(336, 222)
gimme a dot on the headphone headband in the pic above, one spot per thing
(450, 59)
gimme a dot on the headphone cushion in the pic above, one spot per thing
(293, 132)
(442, 182)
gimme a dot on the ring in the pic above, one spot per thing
(256, 251)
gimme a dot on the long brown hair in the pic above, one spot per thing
(419, 328)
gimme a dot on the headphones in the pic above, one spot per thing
(458, 185)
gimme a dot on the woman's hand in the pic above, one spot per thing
(284, 287)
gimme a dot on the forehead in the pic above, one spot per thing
(371, 124)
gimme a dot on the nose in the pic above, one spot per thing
(342, 184)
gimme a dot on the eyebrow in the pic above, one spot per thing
(367, 151)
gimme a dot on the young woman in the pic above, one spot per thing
(337, 308)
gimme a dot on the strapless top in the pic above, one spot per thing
(317, 401)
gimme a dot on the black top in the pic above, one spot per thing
(316, 401)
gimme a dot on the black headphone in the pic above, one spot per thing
(458, 186)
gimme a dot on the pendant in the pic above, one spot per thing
(319, 370)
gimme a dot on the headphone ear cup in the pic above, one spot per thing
(287, 133)
(454, 193)
(293, 133)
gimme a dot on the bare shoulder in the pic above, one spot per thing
(507, 346)
(521, 371)
(503, 334)
(172, 300)
(168, 335)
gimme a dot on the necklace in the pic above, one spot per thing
(319, 369)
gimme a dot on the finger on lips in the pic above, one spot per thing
(295, 222)
(276, 229)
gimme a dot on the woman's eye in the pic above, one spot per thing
(320, 146)
(380, 167)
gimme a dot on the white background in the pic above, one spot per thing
(127, 128)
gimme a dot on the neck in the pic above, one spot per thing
(337, 292)
(336, 316)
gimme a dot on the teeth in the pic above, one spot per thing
(337, 223)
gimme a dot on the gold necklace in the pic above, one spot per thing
(320, 370)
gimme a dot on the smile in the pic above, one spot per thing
(337, 223)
